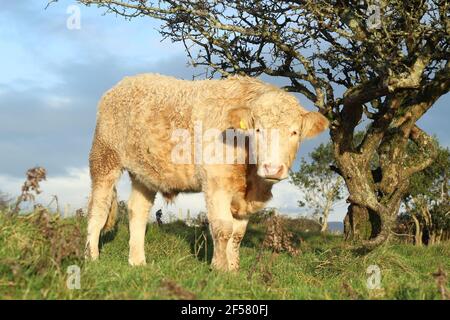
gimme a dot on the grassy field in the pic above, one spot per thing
(37, 249)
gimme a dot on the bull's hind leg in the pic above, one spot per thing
(221, 225)
(239, 227)
(139, 205)
(105, 171)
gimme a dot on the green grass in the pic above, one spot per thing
(35, 254)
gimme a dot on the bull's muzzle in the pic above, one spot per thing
(273, 172)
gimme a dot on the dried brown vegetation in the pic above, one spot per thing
(30, 187)
(66, 240)
(278, 239)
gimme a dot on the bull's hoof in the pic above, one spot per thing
(137, 262)
(215, 265)
(89, 254)
(90, 258)
(233, 267)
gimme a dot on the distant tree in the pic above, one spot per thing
(4, 201)
(322, 187)
(428, 200)
(385, 62)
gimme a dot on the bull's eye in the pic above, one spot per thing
(294, 133)
(258, 131)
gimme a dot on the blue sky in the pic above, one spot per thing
(51, 79)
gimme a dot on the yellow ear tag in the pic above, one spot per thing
(242, 125)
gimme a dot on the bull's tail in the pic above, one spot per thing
(112, 214)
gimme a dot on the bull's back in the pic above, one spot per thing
(136, 118)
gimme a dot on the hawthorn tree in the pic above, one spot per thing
(322, 187)
(382, 62)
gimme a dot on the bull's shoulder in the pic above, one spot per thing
(141, 89)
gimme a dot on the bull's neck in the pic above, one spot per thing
(257, 187)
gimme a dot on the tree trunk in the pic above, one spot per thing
(356, 223)
(438, 236)
(325, 214)
(375, 194)
(324, 226)
(361, 224)
(418, 231)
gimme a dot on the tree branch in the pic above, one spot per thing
(427, 147)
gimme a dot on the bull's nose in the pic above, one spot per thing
(274, 171)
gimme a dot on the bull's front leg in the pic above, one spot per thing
(218, 203)
(239, 227)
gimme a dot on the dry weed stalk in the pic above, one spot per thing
(30, 186)
(200, 242)
(278, 238)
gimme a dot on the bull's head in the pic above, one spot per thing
(278, 124)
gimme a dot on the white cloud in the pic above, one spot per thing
(58, 102)
(285, 197)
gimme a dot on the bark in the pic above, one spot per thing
(357, 225)
(418, 231)
(373, 204)
(326, 213)
(376, 195)
(438, 236)
(429, 233)
(324, 226)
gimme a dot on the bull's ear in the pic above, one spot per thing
(313, 124)
(240, 118)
